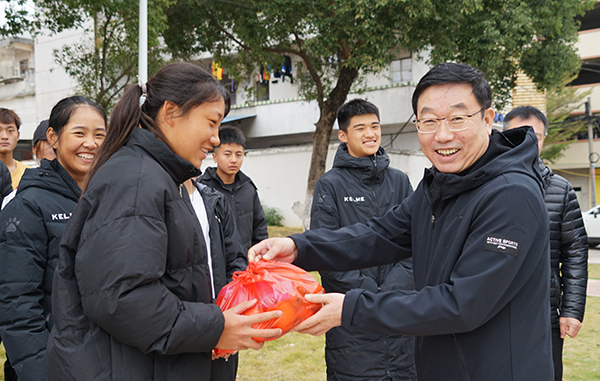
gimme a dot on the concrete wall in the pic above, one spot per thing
(52, 82)
(281, 175)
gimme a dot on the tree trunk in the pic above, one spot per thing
(324, 127)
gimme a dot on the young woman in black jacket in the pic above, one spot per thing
(132, 297)
(32, 226)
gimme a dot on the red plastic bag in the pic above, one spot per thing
(275, 286)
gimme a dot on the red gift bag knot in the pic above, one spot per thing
(275, 286)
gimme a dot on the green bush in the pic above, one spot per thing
(273, 216)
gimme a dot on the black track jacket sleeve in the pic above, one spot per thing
(259, 222)
(325, 214)
(23, 261)
(480, 282)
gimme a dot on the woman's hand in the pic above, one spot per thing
(238, 332)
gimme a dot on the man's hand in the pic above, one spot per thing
(279, 249)
(569, 326)
(238, 332)
(329, 316)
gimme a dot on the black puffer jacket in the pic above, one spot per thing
(244, 201)
(354, 190)
(225, 249)
(568, 248)
(132, 296)
(32, 226)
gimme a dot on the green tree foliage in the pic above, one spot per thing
(339, 41)
(561, 102)
(107, 60)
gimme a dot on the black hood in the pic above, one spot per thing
(506, 148)
(366, 169)
(51, 176)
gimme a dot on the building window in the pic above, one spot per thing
(401, 70)
(589, 73)
(262, 90)
(591, 19)
(23, 66)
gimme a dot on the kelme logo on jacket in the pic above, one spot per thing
(501, 245)
(354, 199)
(61, 216)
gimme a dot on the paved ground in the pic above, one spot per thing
(594, 284)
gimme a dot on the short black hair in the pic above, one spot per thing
(353, 108)
(455, 73)
(231, 135)
(8, 116)
(526, 112)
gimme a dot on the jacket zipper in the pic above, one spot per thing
(461, 357)
(377, 214)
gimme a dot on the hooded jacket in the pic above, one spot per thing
(132, 296)
(227, 257)
(244, 201)
(354, 190)
(226, 252)
(568, 248)
(32, 226)
(480, 248)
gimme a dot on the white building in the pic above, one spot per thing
(279, 133)
(575, 165)
(31, 82)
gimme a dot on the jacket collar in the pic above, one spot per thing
(178, 168)
(210, 173)
(52, 176)
(367, 169)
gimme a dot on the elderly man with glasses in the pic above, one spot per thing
(477, 230)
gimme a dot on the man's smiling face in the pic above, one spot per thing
(453, 151)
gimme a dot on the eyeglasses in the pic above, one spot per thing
(454, 123)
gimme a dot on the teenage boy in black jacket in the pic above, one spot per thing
(477, 230)
(362, 185)
(225, 254)
(241, 192)
(568, 242)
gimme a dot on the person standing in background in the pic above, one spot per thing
(241, 192)
(9, 136)
(32, 225)
(41, 150)
(225, 255)
(362, 185)
(568, 242)
(39, 145)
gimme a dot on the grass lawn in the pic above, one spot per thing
(301, 357)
